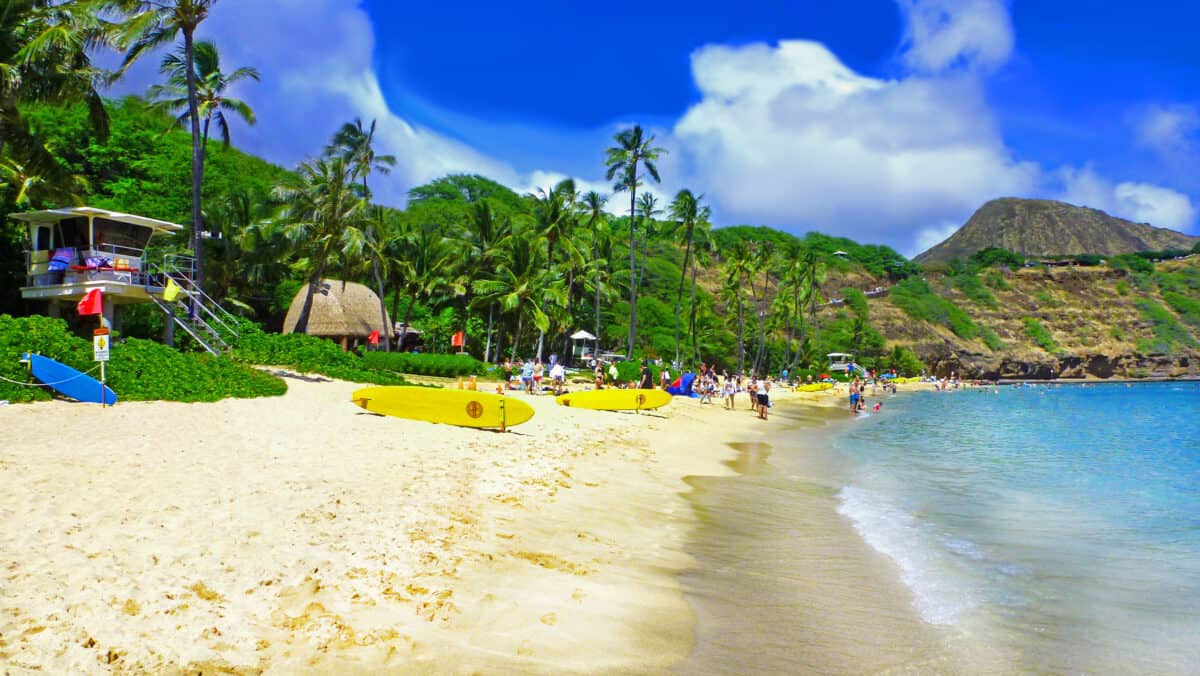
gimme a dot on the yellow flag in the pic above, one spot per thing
(171, 291)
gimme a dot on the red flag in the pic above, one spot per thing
(457, 340)
(91, 304)
(373, 338)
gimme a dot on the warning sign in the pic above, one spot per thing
(100, 344)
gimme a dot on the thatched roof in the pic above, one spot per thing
(338, 309)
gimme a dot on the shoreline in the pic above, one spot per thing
(301, 533)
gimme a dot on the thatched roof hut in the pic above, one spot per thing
(344, 311)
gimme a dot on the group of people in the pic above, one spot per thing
(708, 383)
(529, 375)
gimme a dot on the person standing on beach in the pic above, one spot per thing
(613, 374)
(664, 379)
(764, 400)
(646, 382)
(538, 370)
(558, 376)
(598, 374)
(527, 377)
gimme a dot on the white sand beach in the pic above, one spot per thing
(300, 533)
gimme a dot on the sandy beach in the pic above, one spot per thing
(300, 533)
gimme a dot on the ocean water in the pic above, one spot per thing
(1008, 530)
(1060, 526)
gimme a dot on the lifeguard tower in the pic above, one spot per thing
(843, 362)
(73, 251)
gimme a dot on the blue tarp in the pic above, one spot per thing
(684, 388)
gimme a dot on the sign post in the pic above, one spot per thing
(100, 345)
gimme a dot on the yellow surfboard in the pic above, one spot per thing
(814, 387)
(452, 407)
(616, 400)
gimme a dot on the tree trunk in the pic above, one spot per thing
(407, 316)
(197, 155)
(679, 294)
(541, 335)
(692, 319)
(741, 338)
(487, 348)
(517, 335)
(596, 257)
(632, 259)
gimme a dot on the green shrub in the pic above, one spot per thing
(996, 256)
(990, 338)
(439, 365)
(996, 280)
(1188, 307)
(1044, 297)
(1040, 335)
(1116, 333)
(918, 301)
(307, 354)
(1167, 331)
(137, 370)
(1131, 262)
(1122, 288)
(973, 289)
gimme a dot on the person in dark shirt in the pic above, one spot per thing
(646, 382)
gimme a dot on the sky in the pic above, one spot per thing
(887, 121)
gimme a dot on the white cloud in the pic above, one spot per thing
(931, 236)
(943, 34)
(788, 135)
(317, 73)
(1171, 131)
(1139, 202)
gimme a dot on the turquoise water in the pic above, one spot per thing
(1056, 527)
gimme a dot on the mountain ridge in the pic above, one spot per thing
(1037, 227)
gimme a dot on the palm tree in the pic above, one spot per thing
(739, 260)
(150, 24)
(597, 220)
(648, 206)
(764, 258)
(321, 216)
(357, 145)
(45, 57)
(703, 246)
(426, 259)
(211, 88)
(622, 161)
(554, 216)
(521, 285)
(687, 212)
(485, 236)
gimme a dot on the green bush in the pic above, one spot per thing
(1131, 262)
(990, 338)
(137, 370)
(974, 289)
(1040, 335)
(1168, 332)
(918, 301)
(1187, 306)
(996, 280)
(440, 365)
(1044, 297)
(307, 354)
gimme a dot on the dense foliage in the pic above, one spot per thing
(439, 365)
(918, 300)
(138, 369)
(308, 354)
(1040, 335)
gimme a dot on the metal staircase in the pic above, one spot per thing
(194, 311)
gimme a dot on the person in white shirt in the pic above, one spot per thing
(558, 375)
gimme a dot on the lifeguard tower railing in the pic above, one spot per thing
(199, 315)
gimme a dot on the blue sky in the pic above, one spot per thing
(889, 121)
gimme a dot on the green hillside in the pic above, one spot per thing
(470, 254)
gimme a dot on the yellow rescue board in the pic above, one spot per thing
(452, 407)
(615, 400)
(814, 387)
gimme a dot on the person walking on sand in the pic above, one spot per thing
(664, 379)
(730, 390)
(558, 376)
(527, 376)
(646, 381)
(613, 374)
(764, 400)
(538, 370)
